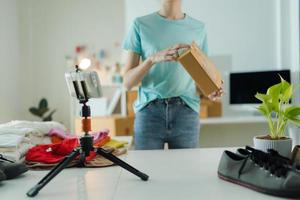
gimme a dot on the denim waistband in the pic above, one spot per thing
(171, 100)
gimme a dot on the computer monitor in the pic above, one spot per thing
(244, 85)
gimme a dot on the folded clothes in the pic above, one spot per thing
(46, 166)
(54, 153)
(24, 131)
(9, 139)
(16, 154)
(63, 143)
(115, 144)
(96, 161)
(98, 136)
(16, 137)
(58, 135)
(102, 142)
(13, 133)
(41, 128)
(51, 153)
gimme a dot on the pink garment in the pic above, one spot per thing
(60, 133)
(98, 136)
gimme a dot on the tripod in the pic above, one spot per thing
(86, 146)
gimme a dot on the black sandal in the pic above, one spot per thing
(5, 159)
(11, 169)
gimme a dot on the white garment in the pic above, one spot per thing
(16, 137)
(16, 154)
(30, 127)
(8, 140)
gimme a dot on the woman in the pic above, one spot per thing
(168, 104)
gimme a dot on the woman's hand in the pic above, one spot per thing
(217, 94)
(169, 54)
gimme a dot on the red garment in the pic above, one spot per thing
(54, 153)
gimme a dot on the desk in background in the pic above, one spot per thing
(215, 132)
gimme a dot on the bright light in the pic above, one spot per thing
(85, 63)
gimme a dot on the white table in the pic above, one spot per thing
(174, 175)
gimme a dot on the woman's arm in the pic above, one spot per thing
(135, 71)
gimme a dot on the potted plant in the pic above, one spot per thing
(42, 111)
(278, 111)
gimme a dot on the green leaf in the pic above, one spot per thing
(263, 97)
(49, 116)
(264, 110)
(43, 110)
(284, 84)
(292, 111)
(287, 94)
(43, 104)
(295, 121)
(35, 111)
(274, 91)
(273, 106)
(267, 102)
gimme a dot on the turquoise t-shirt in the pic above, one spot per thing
(152, 33)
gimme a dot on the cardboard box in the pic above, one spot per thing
(130, 99)
(118, 125)
(213, 108)
(203, 111)
(201, 69)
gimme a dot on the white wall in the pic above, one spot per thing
(50, 31)
(288, 45)
(243, 29)
(10, 97)
(294, 45)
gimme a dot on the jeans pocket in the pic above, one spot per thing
(146, 107)
(189, 109)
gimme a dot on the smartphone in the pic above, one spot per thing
(83, 84)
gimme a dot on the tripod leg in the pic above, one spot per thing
(121, 163)
(58, 168)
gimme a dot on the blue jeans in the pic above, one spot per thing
(169, 121)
